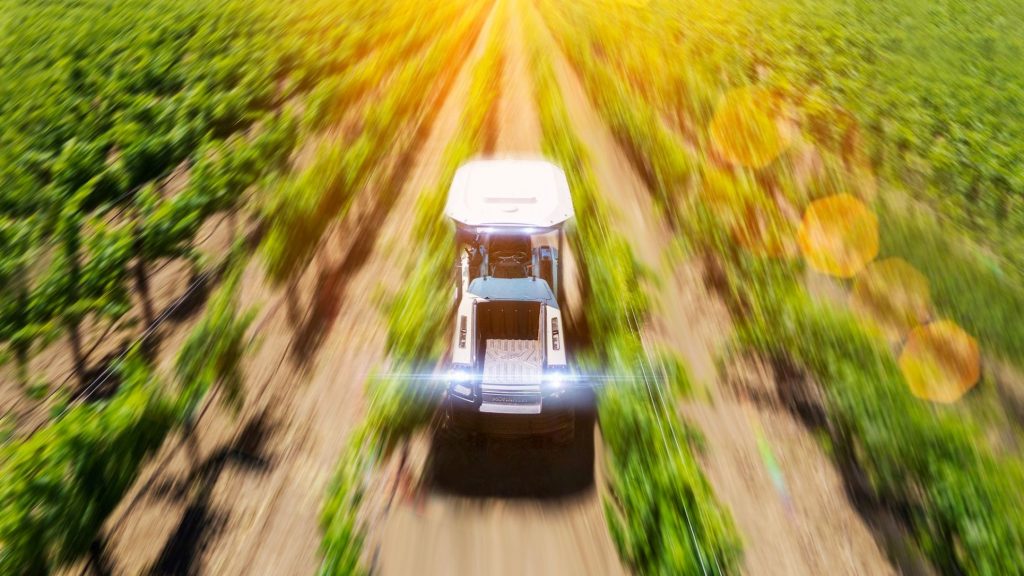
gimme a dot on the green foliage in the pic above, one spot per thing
(397, 408)
(677, 376)
(920, 456)
(418, 315)
(98, 110)
(933, 91)
(611, 271)
(213, 352)
(342, 540)
(938, 90)
(18, 327)
(659, 513)
(58, 487)
(92, 99)
(967, 284)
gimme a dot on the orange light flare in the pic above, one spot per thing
(747, 129)
(752, 216)
(839, 235)
(940, 362)
(894, 294)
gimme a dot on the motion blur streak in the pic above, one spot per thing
(780, 334)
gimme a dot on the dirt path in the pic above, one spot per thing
(246, 498)
(787, 499)
(508, 507)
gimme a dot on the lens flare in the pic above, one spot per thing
(893, 293)
(839, 235)
(744, 130)
(940, 362)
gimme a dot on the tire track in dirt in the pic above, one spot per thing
(245, 497)
(553, 525)
(815, 530)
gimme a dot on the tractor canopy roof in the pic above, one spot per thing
(499, 192)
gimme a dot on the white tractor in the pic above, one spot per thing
(509, 373)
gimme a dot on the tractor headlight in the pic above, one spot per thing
(460, 382)
(557, 379)
(459, 375)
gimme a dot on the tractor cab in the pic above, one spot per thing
(508, 354)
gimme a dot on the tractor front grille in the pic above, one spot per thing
(511, 399)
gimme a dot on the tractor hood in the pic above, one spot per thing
(509, 193)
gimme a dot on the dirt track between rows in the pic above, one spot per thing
(509, 507)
